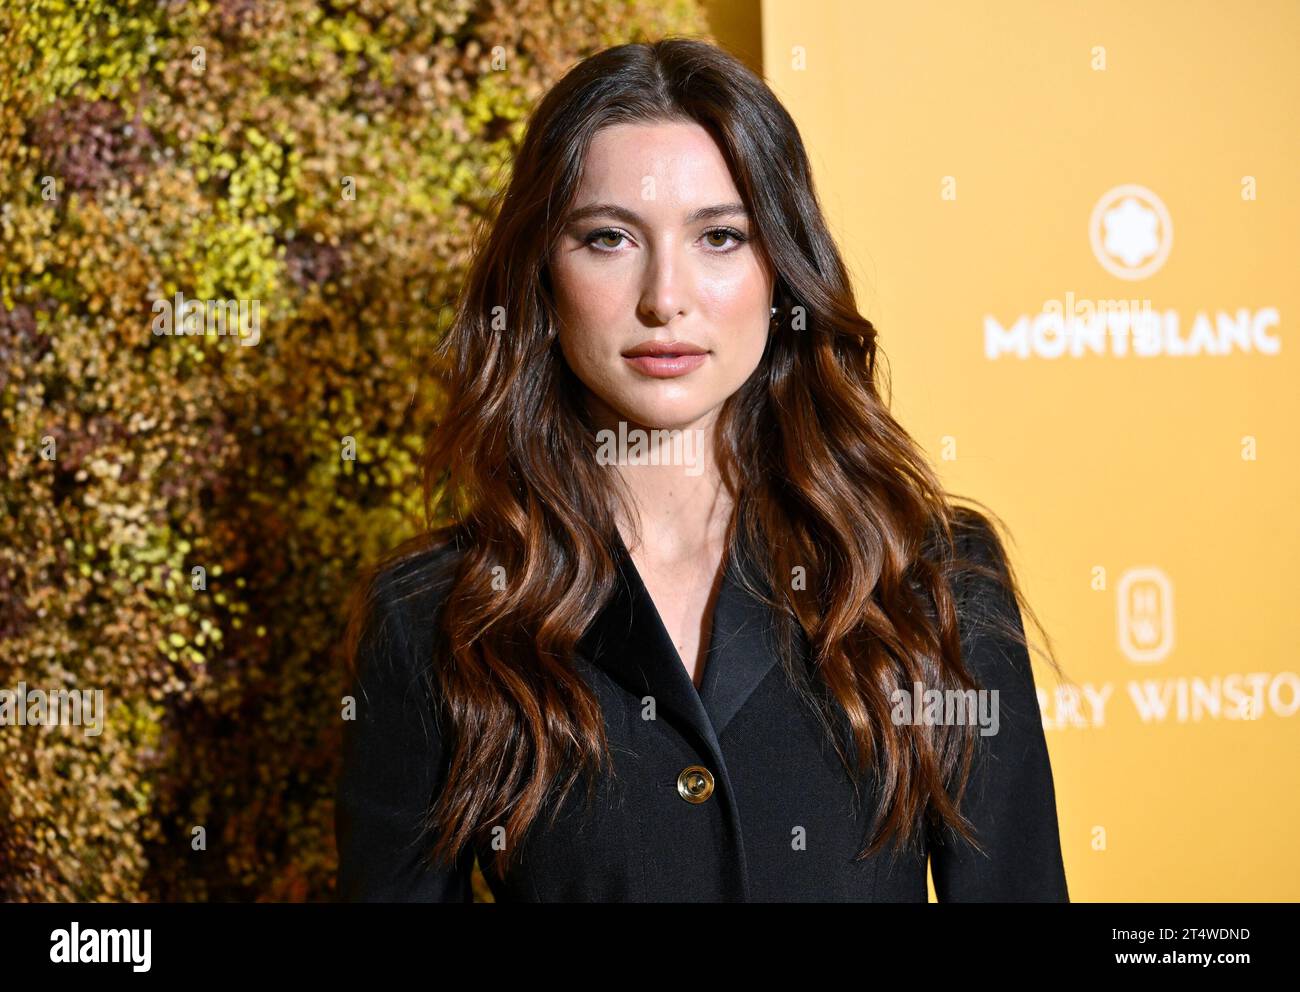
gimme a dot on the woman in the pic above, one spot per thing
(682, 637)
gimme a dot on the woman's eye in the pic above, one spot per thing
(724, 233)
(595, 236)
(608, 239)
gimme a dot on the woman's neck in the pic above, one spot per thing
(672, 476)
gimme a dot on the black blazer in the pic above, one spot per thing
(656, 831)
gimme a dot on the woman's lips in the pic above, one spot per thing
(665, 367)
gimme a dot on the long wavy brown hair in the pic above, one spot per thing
(822, 476)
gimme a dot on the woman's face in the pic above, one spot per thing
(650, 254)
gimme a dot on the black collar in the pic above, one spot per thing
(628, 639)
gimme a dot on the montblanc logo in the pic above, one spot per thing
(1132, 235)
(1131, 232)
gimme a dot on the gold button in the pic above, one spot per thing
(695, 784)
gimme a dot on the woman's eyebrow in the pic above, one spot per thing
(630, 217)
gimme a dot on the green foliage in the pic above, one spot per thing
(149, 148)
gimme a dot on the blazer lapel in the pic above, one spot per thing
(629, 640)
(741, 648)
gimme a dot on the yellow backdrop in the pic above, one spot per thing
(1076, 229)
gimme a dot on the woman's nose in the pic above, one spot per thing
(662, 298)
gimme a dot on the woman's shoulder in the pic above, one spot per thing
(976, 558)
(401, 599)
(986, 595)
(420, 569)
(983, 554)
(979, 575)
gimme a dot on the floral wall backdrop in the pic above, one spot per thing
(182, 514)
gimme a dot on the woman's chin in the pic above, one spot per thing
(665, 417)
